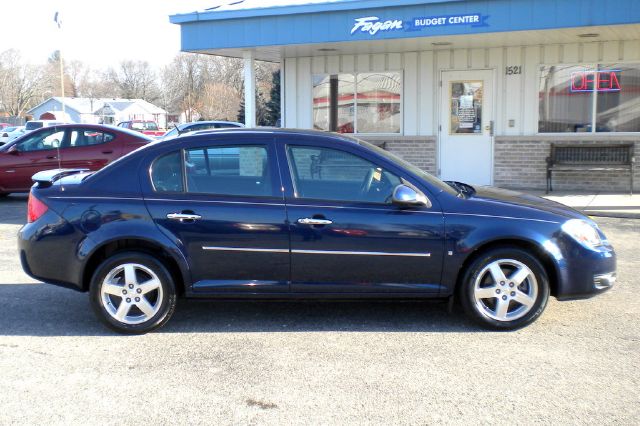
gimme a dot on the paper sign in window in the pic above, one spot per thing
(466, 107)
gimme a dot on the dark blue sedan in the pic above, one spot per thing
(285, 214)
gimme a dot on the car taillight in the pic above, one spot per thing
(35, 208)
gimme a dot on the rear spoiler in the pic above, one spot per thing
(46, 178)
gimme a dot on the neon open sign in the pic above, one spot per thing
(600, 81)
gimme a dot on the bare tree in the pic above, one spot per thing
(183, 82)
(220, 102)
(76, 73)
(22, 85)
(93, 85)
(134, 80)
(52, 77)
(212, 87)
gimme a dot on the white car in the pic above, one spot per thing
(37, 124)
(196, 126)
(10, 133)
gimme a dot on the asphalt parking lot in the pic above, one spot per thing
(328, 363)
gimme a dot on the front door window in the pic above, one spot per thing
(45, 140)
(329, 174)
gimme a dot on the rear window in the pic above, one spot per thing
(144, 125)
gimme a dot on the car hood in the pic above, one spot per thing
(517, 200)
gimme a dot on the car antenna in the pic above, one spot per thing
(55, 130)
(177, 130)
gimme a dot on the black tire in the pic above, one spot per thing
(534, 289)
(165, 294)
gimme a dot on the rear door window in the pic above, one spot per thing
(88, 137)
(166, 173)
(242, 170)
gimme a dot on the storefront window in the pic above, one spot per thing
(379, 103)
(334, 102)
(377, 107)
(618, 109)
(569, 96)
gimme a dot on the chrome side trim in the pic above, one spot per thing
(215, 202)
(337, 252)
(71, 197)
(500, 217)
(360, 253)
(360, 208)
(255, 250)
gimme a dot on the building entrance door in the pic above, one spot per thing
(466, 126)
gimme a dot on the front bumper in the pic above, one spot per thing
(584, 273)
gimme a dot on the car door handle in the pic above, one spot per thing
(314, 221)
(51, 157)
(107, 152)
(183, 216)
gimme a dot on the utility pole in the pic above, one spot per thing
(58, 20)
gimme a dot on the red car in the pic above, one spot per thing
(84, 146)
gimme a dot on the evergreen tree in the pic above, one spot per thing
(241, 111)
(272, 116)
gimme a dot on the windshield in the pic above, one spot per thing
(32, 125)
(406, 165)
(171, 133)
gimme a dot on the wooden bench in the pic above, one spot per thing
(590, 158)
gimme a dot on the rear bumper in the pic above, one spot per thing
(47, 250)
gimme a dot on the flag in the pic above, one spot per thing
(57, 18)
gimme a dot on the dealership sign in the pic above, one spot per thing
(373, 25)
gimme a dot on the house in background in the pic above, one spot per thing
(100, 110)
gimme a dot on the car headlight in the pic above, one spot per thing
(583, 232)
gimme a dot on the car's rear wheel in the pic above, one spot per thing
(132, 293)
(504, 288)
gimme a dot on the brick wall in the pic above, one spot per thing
(520, 163)
(418, 150)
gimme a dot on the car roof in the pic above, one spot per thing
(103, 127)
(195, 123)
(272, 131)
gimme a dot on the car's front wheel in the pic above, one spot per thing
(504, 288)
(132, 293)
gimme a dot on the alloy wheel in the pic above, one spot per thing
(131, 293)
(505, 290)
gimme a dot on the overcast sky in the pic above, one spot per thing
(100, 33)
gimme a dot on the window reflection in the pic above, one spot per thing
(375, 96)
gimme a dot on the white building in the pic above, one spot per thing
(468, 90)
(100, 110)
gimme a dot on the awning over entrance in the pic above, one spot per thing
(272, 28)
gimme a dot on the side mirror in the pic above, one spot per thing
(404, 195)
(13, 150)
